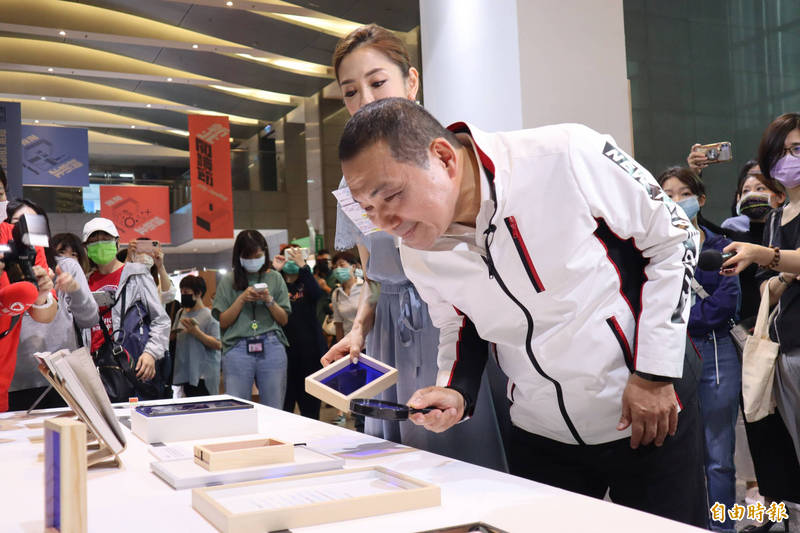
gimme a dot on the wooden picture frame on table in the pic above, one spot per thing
(312, 499)
(342, 381)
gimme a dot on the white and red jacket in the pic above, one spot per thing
(578, 270)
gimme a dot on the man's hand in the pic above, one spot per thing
(296, 255)
(651, 409)
(44, 281)
(448, 407)
(146, 367)
(158, 256)
(351, 344)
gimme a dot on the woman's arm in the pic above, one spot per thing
(229, 316)
(746, 254)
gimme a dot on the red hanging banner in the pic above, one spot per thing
(210, 165)
(137, 211)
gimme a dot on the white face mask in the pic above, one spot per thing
(145, 259)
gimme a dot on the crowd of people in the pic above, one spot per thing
(486, 318)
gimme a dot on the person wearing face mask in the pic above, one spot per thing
(775, 440)
(306, 342)
(393, 323)
(251, 319)
(197, 344)
(346, 297)
(715, 301)
(114, 277)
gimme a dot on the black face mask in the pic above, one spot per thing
(187, 301)
(324, 267)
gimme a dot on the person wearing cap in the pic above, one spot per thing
(101, 238)
(43, 310)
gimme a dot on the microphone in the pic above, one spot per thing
(712, 259)
(16, 298)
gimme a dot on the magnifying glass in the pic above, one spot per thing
(384, 410)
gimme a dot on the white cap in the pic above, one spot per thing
(99, 224)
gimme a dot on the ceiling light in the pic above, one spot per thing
(223, 271)
(194, 46)
(50, 69)
(44, 98)
(133, 126)
(169, 79)
(229, 3)
(182, 133)
(296, 65)
(148, 105)
(331, 25)
(62, 33)
(256, 94)
(36, 121)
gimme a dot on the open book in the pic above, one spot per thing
(75, 377)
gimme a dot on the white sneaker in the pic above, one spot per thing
(752, 496)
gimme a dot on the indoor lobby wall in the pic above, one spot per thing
(511, 64)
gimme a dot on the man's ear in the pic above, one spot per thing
(701, 200)
(444, 154)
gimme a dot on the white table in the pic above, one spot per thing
(132, 499)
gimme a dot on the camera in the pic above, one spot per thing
(19, 254)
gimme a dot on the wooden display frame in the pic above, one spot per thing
(102, 452)
(404, 494)
(242, 453)
(314, 383)
(65, 475)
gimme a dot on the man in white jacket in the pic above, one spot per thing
(561, 251)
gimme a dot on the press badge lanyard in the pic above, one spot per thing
(254, 323)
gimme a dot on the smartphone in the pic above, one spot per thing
(260, 287)
(717, 152)
(146, 247)
(103, 298)
(304, 251)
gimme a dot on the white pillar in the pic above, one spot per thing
(511, 64)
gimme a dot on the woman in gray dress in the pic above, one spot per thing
(372, 63)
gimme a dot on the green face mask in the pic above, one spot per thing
(102, 252)
(291, 268)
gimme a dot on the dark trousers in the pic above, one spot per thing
(192, 391)
(22, 400)
(667, 481)
(296, 393)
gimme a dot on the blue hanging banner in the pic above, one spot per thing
(55, 156)
(11, 146)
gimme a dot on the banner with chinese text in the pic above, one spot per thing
(210, 165)
(11, 146)
(137, 211)
(55, 156)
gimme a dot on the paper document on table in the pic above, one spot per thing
(354, 211)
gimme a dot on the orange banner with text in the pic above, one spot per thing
(210, 164)
(137, 211)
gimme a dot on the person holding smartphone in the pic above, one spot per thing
(197, 344)
(149, 252)
(306, 343)
(252, 306)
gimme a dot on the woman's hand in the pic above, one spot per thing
(745, 255)
(65, 282)
(146, 367)
(296, 255)
(278, 261)
(250, 295)
(696, 160)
